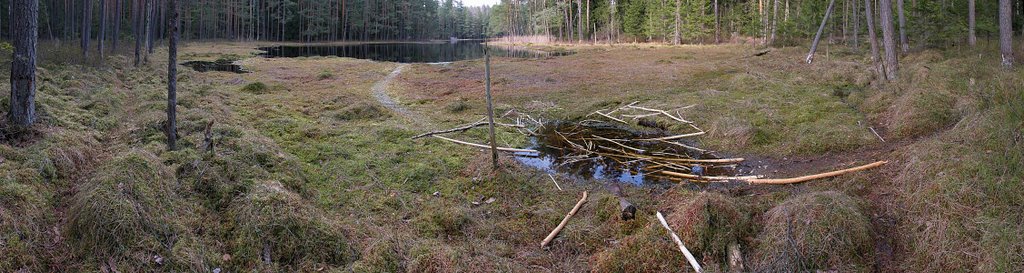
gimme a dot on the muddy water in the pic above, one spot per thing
(223, 66)
(556, 142)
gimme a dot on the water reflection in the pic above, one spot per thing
(408, 52)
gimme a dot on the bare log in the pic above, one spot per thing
(735, 258)
(675, 137)
(565, 220)
(466, 128)
(816, 176)
(709, 178)
(556, 182)
(503, 149)
(679, 242)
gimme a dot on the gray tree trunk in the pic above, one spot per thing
(86, 27)
(103, 27)
(821, 29)
(888, 39)
(172, 75)
(137, 27)
(904, 42)
(679, 21)
(775, 22)
(147, 28)
(1006, 32)
(869, 14)
(117, 25)
(972, 36)
(856, 26)
(24, 38)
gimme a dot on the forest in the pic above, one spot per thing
(513, 136)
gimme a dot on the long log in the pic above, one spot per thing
(626, 209)
(817, 176)
(465, 128)
(503, 149)
(565, 220)
(709, 178)
(679, 242)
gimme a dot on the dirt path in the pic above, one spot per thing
(380, 92)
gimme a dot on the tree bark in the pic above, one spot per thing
(1006, 32)
(24, 38)
(821, 29)
(679, 21)
(172, 75)
(103, 27)
(86, 27)
(972, 36)
(136, 29)
(904, 42)
(889, 39)
(869, 15)
(775, 21)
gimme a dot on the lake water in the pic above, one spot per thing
(407, 52)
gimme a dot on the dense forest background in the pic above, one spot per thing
(927, 23)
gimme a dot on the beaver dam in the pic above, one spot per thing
(631, 144)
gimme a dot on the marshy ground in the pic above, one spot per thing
(309, 171)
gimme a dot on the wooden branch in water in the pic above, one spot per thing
(556, 182)
(675, 137)
(610, 117)
(817, 176)
(679, 242)
(565, 220)
(503, 149)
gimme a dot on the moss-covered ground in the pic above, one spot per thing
(309, 172)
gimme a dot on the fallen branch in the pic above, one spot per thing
(503, 149)
(466, 128)
(610, 117)
(673, 137)
(561, 225)
(556, 182)
(710, 178)
(686, 252)
(816, 176)
(663, 112)
(626, 208)
(876, 134)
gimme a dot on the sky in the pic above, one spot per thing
(479, 2)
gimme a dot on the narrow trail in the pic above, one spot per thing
(380, 92)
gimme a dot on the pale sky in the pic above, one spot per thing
(470, 3)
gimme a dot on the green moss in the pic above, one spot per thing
(256, 88)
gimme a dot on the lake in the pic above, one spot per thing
(407, 52)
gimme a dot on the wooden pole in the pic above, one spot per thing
(679, 242)
(490, 108)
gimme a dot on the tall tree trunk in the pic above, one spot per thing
(821, 29)
(718, 23)
(869, 15)
(679, 21)
(150, 27)
(972, 37)
(172, 75)
(889, 39)
(137, 29)
(24, 37)
(86, 27)
(117, 25)
(1006, 32)
(103, 27)
(904, 42)
(775, 22)
(856, 26)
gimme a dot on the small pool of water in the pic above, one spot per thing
(408, 52)
(555, 141)
(220, 65)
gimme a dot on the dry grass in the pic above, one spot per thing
(815, 231)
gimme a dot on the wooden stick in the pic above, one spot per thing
(610, 117)
(876, 134)
(711, 178)
(556, 182)
(816, 176)
(663, 112)
(466, 128)
(686, 252)
(673, 137)
(561, 225)
(503, 149)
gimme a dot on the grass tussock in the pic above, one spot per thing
(815, 231)
(273, 226)
(361, 111)
(709, 223)
(256, 88)
(649, 250)
(130, 210)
